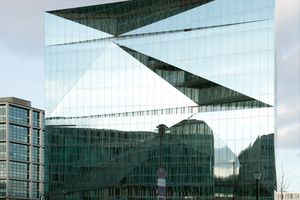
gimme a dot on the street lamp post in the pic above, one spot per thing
(65, 192)
(257, 177)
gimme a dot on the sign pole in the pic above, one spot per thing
(161, 131)
(160, 144)
(161, 173)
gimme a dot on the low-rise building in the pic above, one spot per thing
(287, 196)
(21, 149)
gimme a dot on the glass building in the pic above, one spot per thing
(21, 149)
(114, 72)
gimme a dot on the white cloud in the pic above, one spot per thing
(289, 137)
(288, 73)
(294, 50)
(286, 10)
(288, 114)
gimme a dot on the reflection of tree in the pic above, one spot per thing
(283, 181)
(227, 186)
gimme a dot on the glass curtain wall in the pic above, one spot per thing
(114, 72)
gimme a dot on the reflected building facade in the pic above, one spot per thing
(115, 71)
(258, 157)
(102, 163)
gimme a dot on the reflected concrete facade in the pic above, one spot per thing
(21, 149)
(115, 71)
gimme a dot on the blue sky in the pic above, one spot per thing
(22, 65)
(288, 88)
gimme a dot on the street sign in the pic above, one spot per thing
(161, 198)
(161, 173)
(161, 191)
(161, 182)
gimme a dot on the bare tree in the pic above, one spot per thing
(283, 181)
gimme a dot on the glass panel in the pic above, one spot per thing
(2, 112)
(35, 172)
(2, 150)
(35, 154)
(43, 120)
(35, 190)
(35, 136)
(2, 168)
(59, 27)
(19, 151)
(43, 155)
(64, 72)
(43, 138)
(18, 189)
(2, 131)
(35, 119)
(19, 170)
(19, 133)
(42, 173)
(3, 187)
(18, 115)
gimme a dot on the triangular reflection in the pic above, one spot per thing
(200, 90)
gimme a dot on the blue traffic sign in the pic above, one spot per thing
(161, 173)
(161, 190)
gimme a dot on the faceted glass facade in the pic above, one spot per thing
(114, 72)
